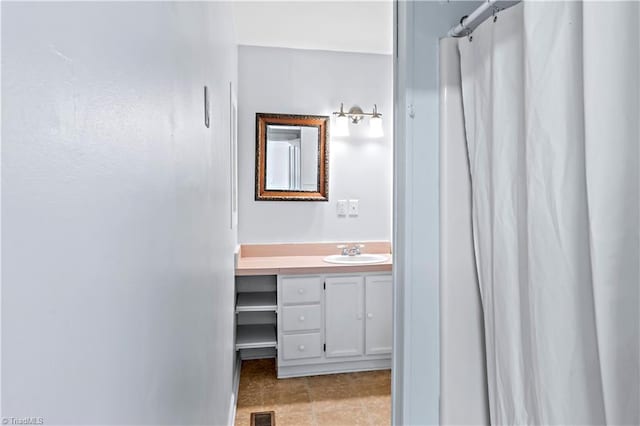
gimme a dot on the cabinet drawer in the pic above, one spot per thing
(301, 290)
(296, 318)
(297, 346)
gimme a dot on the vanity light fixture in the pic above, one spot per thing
(375, 124)
(356, 114)
(342, 123)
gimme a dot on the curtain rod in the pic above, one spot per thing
(469, 23)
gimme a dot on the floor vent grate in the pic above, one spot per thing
(264, 418)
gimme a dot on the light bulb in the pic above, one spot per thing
(342, 126)
(375, 126)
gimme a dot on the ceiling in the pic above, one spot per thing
(350, 26)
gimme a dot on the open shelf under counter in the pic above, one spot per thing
(257, 302)
(256, 336)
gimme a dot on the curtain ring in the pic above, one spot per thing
(495, 13)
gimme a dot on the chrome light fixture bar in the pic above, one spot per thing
(356, 115)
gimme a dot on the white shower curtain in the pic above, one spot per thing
(551, 100)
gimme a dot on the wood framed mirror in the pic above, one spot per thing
(292, 162)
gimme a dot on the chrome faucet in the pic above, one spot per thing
(353, 251)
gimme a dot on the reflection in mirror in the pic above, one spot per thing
(291, 157)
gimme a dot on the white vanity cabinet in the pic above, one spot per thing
(334, 323)
(300, 317)
(344, 326)
(379, 315)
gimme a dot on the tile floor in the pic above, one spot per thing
(332, 400)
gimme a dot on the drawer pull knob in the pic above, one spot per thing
(301, 317)
(369, 316)
(301, 348)
(301, 290)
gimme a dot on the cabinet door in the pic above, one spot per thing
(344, 332)
(378, 307)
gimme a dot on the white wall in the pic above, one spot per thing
(416, 374)
(291, 81)
(117, 278)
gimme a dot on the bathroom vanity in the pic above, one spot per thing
(314, 317)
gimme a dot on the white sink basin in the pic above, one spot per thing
(360, 259)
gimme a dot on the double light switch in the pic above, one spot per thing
(347, 207)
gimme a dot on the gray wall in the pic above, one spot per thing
(293, 81)
(117, 269)
(416, 375)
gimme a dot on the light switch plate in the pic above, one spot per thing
(353, 208)
(341, 207)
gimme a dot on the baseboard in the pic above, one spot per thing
(333, 368)
(234, 392)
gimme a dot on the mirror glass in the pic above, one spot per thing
(291, 157)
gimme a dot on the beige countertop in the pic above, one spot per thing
(304, 258)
